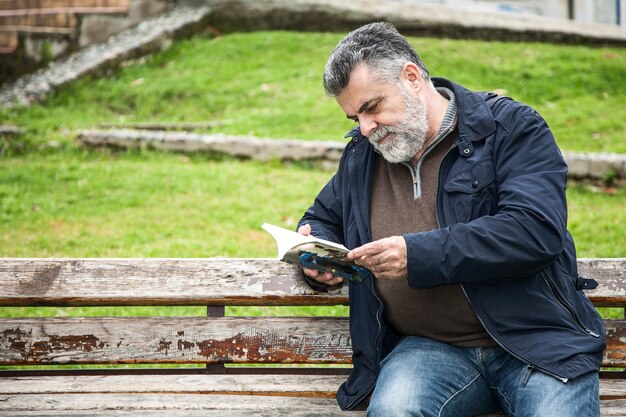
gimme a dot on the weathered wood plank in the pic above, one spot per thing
(612, 389)
(58, 20)
(611, 276)
(613, 408)
(195, 413)
(46, 4)
(198, 340)
(262, 405)
(232, 281)
(174, 340)
(192, 405)
(318, 386)
(94, 282)
(63, 11)
(322, 386)
(615, 353)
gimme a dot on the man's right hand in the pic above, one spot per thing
(323, 277)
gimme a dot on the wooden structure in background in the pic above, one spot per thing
(51, 17)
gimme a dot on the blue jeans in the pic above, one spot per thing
(422, 377)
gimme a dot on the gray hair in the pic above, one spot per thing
(380, 46)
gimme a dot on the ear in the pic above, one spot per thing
(412, 74)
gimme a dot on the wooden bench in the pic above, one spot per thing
(206, 343)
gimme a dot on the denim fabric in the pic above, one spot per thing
(422, 377)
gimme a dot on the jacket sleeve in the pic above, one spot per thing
(527, 231)
(326, 219)
(326, 214)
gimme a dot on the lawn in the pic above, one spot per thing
(268, 84)
(57, 200)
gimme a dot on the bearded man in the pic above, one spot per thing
(455, 201)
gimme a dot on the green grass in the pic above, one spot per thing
(268, 84)
(67, 202)
(154, 204)
(147, 205)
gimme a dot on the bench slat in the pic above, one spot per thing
(611, 275)
(313, 386)
(114, 282)
(260, 412)
(232, 281)
(199, 340)
(174, 340)
(266, 405)
(321, 386)
(615, 353)
(192, 405)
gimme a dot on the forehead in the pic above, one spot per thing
(363, 86)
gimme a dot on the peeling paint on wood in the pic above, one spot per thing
(161, 340)
(201, 340)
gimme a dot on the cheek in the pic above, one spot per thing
(390, 119)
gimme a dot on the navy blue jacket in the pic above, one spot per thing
(502, 235)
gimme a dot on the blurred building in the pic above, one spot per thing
(584, 11)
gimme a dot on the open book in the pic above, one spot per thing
(314, 253)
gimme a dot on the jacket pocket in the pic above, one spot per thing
(472, 193)
(560, 298)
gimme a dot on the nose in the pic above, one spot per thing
(367, 125)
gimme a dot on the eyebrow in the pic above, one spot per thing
(367, 105)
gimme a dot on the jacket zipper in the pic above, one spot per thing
(415, 170)
(360, 397)
(567, 305)
(378, 315)
(515, 355)
(376, 342)
(489, 332)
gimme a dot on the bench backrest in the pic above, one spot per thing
(201, 340)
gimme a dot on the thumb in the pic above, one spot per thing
(305, 229)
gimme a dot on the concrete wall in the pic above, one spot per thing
(97, 28)
(585, 11)
(412, 17)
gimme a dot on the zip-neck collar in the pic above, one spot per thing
(448, 124)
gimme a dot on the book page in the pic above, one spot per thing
(290, 241)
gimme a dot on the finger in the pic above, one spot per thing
(334, 281)
(368, 249)
(324, 278)
(386, 259)
(390, 271)
(305, 229)
(313, 273)
(329, 279)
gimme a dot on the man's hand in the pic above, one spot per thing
(386, 258)
(325, 278)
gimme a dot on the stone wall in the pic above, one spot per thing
(411, 19)
(582, 166)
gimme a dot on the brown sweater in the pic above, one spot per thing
(441, 313)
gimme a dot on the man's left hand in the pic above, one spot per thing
(386, 258)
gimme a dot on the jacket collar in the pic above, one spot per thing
(475, 118)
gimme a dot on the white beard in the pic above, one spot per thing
(408, 135)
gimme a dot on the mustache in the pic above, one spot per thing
(380, 133)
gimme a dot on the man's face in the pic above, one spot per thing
(392, 118)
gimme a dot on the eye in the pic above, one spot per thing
(373, 108)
